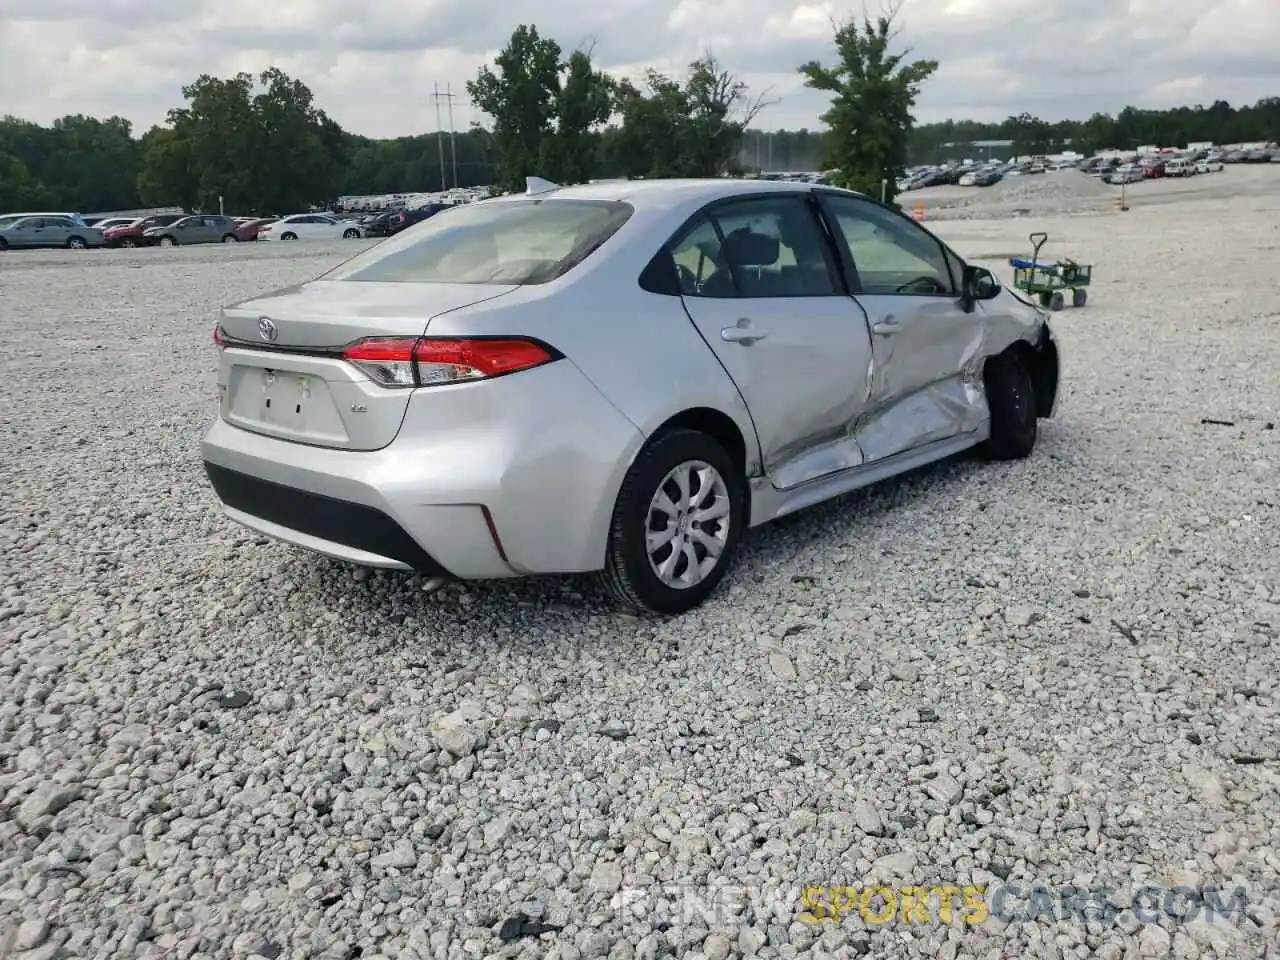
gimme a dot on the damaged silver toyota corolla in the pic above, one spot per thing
(621, 377)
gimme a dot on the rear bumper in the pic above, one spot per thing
(515, 476)
(338, 528)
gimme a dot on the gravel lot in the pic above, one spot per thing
(1072, 192)
(1061, 671)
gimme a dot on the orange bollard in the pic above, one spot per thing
(919, 213)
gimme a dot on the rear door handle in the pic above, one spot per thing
(742, 334)
(887, 326)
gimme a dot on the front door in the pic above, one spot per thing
(759, 281)
(928, 349)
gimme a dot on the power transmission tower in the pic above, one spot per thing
(453, 143)
(436, 97)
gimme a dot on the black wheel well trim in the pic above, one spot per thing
(720, 427)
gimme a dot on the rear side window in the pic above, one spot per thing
(764, 247)
(510, 241)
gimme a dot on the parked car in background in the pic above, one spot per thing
(1209, 165)
(1179, 168)
(28, 232)
(403, 219)
(455, 400)
(378, 224)
(1126, 173)
(202, 228)
(311, 226)
(135, 234)
(248, 230)
(110, 223)
(76, 218)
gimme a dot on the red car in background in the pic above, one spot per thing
(249, 229)
(131, 235)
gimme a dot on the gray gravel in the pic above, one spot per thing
(1061, 671)
(1070, 192)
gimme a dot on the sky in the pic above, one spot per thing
(372, 64)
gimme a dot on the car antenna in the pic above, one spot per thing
(536, 185)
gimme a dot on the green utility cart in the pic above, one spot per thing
(1049, 282)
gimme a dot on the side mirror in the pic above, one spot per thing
(979, 284)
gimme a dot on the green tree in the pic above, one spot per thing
(1031, 135)
(873, 92)
(520, 94)
(583, 102)
(268, 151)
(693, 128)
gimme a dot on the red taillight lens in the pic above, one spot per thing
(218, 340)
(425, 362)
(451, 360)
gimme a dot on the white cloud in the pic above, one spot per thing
(372, 65)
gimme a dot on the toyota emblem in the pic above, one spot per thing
(268, 330)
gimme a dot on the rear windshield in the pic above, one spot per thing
(507, 241)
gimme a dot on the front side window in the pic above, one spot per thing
(891, 254)
(508, 241)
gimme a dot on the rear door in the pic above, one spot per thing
(927, 347)
(760, 282)
(60, 229)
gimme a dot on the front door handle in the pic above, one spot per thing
(742, 334)
(887, 326)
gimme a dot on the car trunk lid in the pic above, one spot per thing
(282, 372)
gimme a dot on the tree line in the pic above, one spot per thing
(262, 144)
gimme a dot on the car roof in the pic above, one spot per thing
(661, 194)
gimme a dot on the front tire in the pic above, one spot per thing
(351, 235)
(288, 236)
(676, 525)
(168, 242)
(1011, 400)
(76, 243)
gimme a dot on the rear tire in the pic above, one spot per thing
(230, 238)
(1011, 400)
(129, 243)
(76, 243)
(351, 235)
(288, 236)
(1079, 298)
(168, 242)
(1057, 301)
(4, 244)
(710, 518)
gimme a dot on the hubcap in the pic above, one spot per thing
(688, 524)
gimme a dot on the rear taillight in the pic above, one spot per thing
(387, 362)
(429, 361)
(218, 340)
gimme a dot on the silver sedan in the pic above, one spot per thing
(622, 377)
